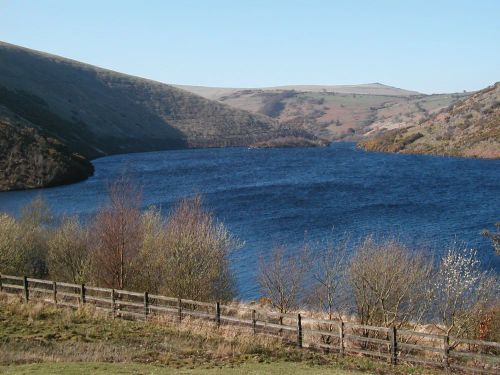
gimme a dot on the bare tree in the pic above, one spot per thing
(329, 273)
(281, 278)
(462, 290)
(389, 282)
(116, 234)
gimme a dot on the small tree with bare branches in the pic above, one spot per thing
(389, 282)
(116, 234)
(328, 269)
(281, 278)
(329, 274)
(462, 290)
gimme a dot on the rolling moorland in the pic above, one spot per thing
(94, 112)
(468, 128)
(381, 118)
(348, 112)
(57, 114)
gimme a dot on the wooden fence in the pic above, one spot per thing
(393, 345)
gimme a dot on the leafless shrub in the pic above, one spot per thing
(149, 265)
(12, 246)
(281, 278)
(68, 258)
(462, 291)
(329, 273)
(195, 254)
(36, 213)
(389, 282)
(23, 242)
(488, 324)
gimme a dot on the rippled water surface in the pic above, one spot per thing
(275, 196)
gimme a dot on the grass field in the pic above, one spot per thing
(41, 339)
(276, 368)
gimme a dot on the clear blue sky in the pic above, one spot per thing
(429, 46)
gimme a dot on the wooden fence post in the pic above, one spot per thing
(299, 331)
(446, 351)
(217, 314)
(26, 290)
(113, 304)
(341, 338)
(82, 294)
(54, 292)
(254, 322)
(146, 304)
(179, 309)
(394, 348)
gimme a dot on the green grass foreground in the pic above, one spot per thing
(40, 339)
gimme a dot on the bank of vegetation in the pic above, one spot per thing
(184, 253)
(467, 128)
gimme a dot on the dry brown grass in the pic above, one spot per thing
(470, 128)
(36, 332)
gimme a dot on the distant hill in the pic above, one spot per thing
(215, 93)
(96, 112)
(468, 128)
(344, 112)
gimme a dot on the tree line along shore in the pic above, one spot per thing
(185, 253)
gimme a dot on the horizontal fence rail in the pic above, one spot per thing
(345, 338)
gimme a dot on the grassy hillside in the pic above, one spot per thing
(468, 128)
(114, 112)
(216, 93)
(96, 112)
(40, 339)
(334, 112)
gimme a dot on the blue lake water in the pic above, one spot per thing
(284, 196)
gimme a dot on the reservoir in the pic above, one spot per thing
(270, 197)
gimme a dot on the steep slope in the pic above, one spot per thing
(93, 112)
(346, 112)
(30, 160)
(98, 112)
(468, 128)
